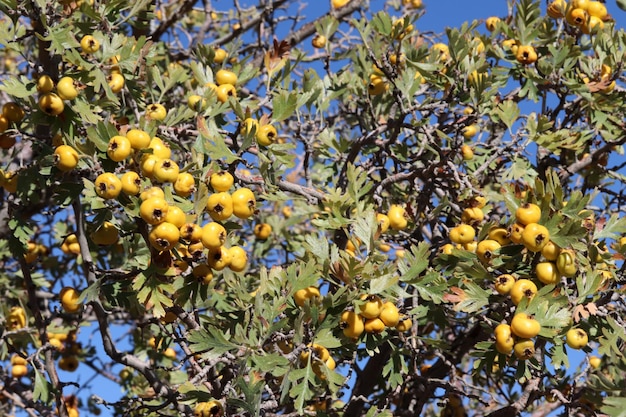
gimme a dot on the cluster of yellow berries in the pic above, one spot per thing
(373, 316)
(224, 86)
(11, 113)
(587, 15)
(19, 366)
(90, 45)
(51, 102)
(34, 251)
(320, 358)
(16, 319)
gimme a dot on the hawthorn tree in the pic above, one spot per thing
(204, 209)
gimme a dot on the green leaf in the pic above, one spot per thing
(475, 298)
(301, 390)
(285, 104)
(508, 111)
(415, 262)
(326, 338)
(42, 388)
(614, 406)
(211, 142)
(613, 228)
(211, 340)
(382, 283)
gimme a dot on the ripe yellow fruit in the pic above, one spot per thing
(524, 349)
(486, 250)
(156, 111)
(196, 103)
(224, 76)
(164, 236)
(131, 183)
(515, 232)
(304, 294)
(66, 89)
(500, 235)
(262, 231)
(119, 148)
(351, 324)
(213, 235)
(523, 288)
(595, 362)
(441, 50)
(244, 203)
(154, 210)
(461, 234)
(152, 192)
(550, 251)
(18, 371)
(597, 9)
(165, 170)
(192, 232)
(397, 219)
(338, 4)
(16, 319)
(66, 158)
(525, 326)
(528, 213)
(566, 263)
(148, 161)
(472, 215)
(389, 314)
(45, 84)
(51, 104)
(318, 41)
(535, 237)
(405, 325)
(266, 135)
(69, 299)
(526, 54)
(576, 338)
(108, 186)
(547, 273)
(470, 131)
(467, 152)
(556, 9)
(203, 273)
(176, 216)
(593, 24)
(185, 184)
(219, 259)
(13, 112)
(105, 235)
(376, 86)
(370, 307)
(504, 339)
(238, 258)
(576, 16)
(138, 138)
(221, 181)
(220, 206)
(374, 325)
(116, 82)
(211, 408)
(504, 283)
(491, 23)
(89, 44)
(220, 55)
(225, 91)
